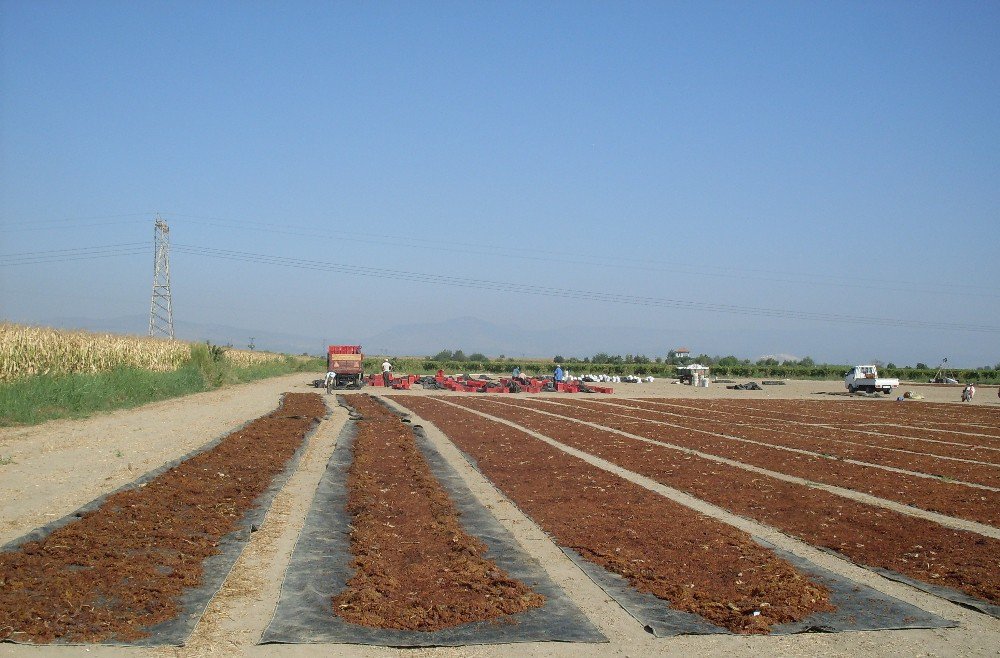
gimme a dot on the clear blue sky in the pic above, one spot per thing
(826, 160)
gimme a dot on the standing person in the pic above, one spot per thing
(972, 391)
(386, 369)
(967, 393)
(559, 375)
(330, 382)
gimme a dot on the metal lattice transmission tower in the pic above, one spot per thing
(161, 308)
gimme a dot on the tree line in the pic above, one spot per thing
(641, 365)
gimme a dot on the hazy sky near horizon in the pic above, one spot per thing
(813, 178)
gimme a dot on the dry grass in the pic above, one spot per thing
(26, 351)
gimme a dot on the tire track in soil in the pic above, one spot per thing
(814, 442)
(828, 429)
(415, 567)
(698, 564)
(928, 493)
(123, 567)
(867, 535)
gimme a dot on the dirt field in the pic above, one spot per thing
(59, 466)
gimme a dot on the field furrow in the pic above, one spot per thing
(415, 567)
(953, 499)
(123, 568)
(817, 441)
(866, 534)
(825, 425)
(698, 564)
(972, 425)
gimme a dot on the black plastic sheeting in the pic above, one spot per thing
(216, 568)
(859, 607)
(320, 568)
(947, 593)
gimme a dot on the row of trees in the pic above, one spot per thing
(459, 355)
(638, 364)
(673, 360)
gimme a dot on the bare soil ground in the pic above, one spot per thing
(59, 466)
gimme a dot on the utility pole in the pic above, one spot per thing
(161, 308)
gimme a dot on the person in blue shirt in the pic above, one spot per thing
(559, 376)
(517, 372)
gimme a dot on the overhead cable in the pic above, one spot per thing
(79, 253)
(568, 293)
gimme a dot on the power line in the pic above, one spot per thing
(79, 253)
(541, 255)
(620, 261)
(66, 222)
(567, 293)
(130, 249)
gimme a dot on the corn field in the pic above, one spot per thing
(244, 358)
(26, 351)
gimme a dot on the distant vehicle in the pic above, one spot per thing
(688, 374)
(865, 378)
(347, 362)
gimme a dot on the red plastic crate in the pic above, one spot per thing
(344, 349)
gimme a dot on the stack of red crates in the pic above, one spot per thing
(344, 349)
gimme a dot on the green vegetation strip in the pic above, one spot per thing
(34, 400)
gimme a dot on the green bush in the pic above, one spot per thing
(45, 397)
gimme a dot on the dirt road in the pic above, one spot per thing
(59, 466)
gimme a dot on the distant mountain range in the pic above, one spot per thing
(515, 339)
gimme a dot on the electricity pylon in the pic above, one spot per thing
(161, 308)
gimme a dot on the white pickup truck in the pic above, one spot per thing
(865, 378)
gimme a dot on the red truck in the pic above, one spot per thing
(347, 362)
